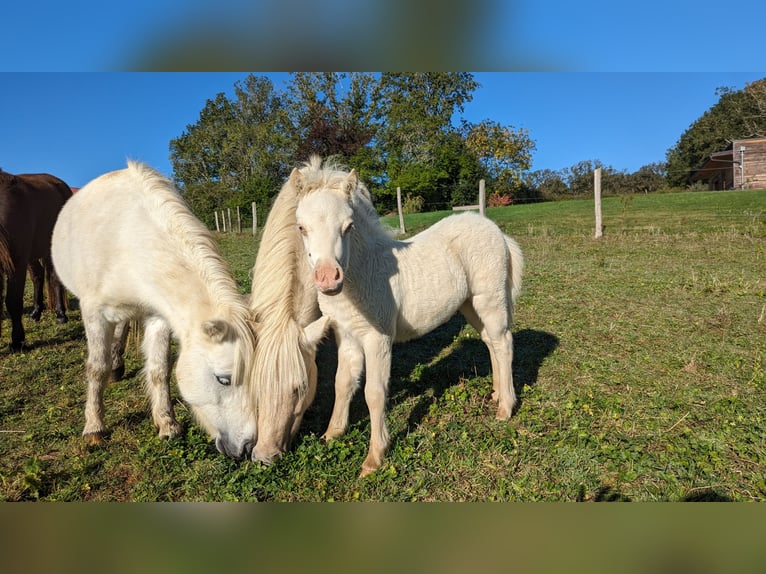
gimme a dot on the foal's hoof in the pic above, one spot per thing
(366, 472)
(169, 430)
(35, 316)
(504, 413)
(61, 319)
(93, 438)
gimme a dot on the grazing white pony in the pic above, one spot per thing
(284, 305)
(377, 291)
(129, 248)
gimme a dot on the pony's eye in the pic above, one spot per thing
(302, 230)
(225, 380)
(347, 227)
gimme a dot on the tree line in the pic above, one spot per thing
(396, 129)
(406, 130)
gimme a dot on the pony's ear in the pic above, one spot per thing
(216, 330)
(314, 332)
(351, 182)
(295, 179)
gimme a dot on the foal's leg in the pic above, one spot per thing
(490, 318)
(156, 350)
(118, 350)
(473, 319)
(377, 353)
(37, 275)
(99, 332)
(350, 367)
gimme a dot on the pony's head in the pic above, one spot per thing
(211, 374)
(325, 218)
(286, 364)
(284, 305)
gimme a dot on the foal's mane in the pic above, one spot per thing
(170, 213)
(333, 175)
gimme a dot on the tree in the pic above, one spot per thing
(238, 151)
(649, 178)
(331, 113)
(755, 116)
(418, 109)
(503, 151)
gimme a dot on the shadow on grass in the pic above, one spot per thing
(425, 368)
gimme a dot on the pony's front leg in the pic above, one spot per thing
(378, 359)
(350, 367)
(99, 333)
(14, 302)
(156, 350)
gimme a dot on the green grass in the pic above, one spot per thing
(639, 360)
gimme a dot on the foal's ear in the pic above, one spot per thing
(314, 332)
(295, 179)
(216, 330)
(351, 182)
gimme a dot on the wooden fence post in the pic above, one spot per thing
(217, 228)
(255, 219)
(223, 220)
(228, 209)
(597, 196)
(399, 207)
(239, 221)
(482, 196)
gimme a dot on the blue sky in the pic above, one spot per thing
(513, 35)
(80, 125)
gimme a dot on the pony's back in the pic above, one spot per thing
(128, 236)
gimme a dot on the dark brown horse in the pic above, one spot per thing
(29, 206)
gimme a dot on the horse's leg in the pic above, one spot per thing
(99, 333)
(475, 321)
(350, 367)
(56, 291)
(37, 275)
(14, 302)
(118, 350)
(494, 317)
(377, 354)
(156, 350)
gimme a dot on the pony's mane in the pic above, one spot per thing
(170, 213)
(276, 296)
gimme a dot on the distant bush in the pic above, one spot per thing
(499, 200)
(412, 204)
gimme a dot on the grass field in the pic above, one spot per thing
(639, 361)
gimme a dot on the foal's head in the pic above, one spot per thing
(210, 373)
(325, 217)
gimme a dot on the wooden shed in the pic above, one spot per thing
(742, 165)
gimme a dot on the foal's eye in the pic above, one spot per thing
(302, 230)
(225, 380)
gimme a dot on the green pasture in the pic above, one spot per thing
(639, 362)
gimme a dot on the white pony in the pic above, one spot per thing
(284, 306)
(129, 248)
(377, 291)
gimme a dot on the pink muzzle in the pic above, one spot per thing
(328, 277)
